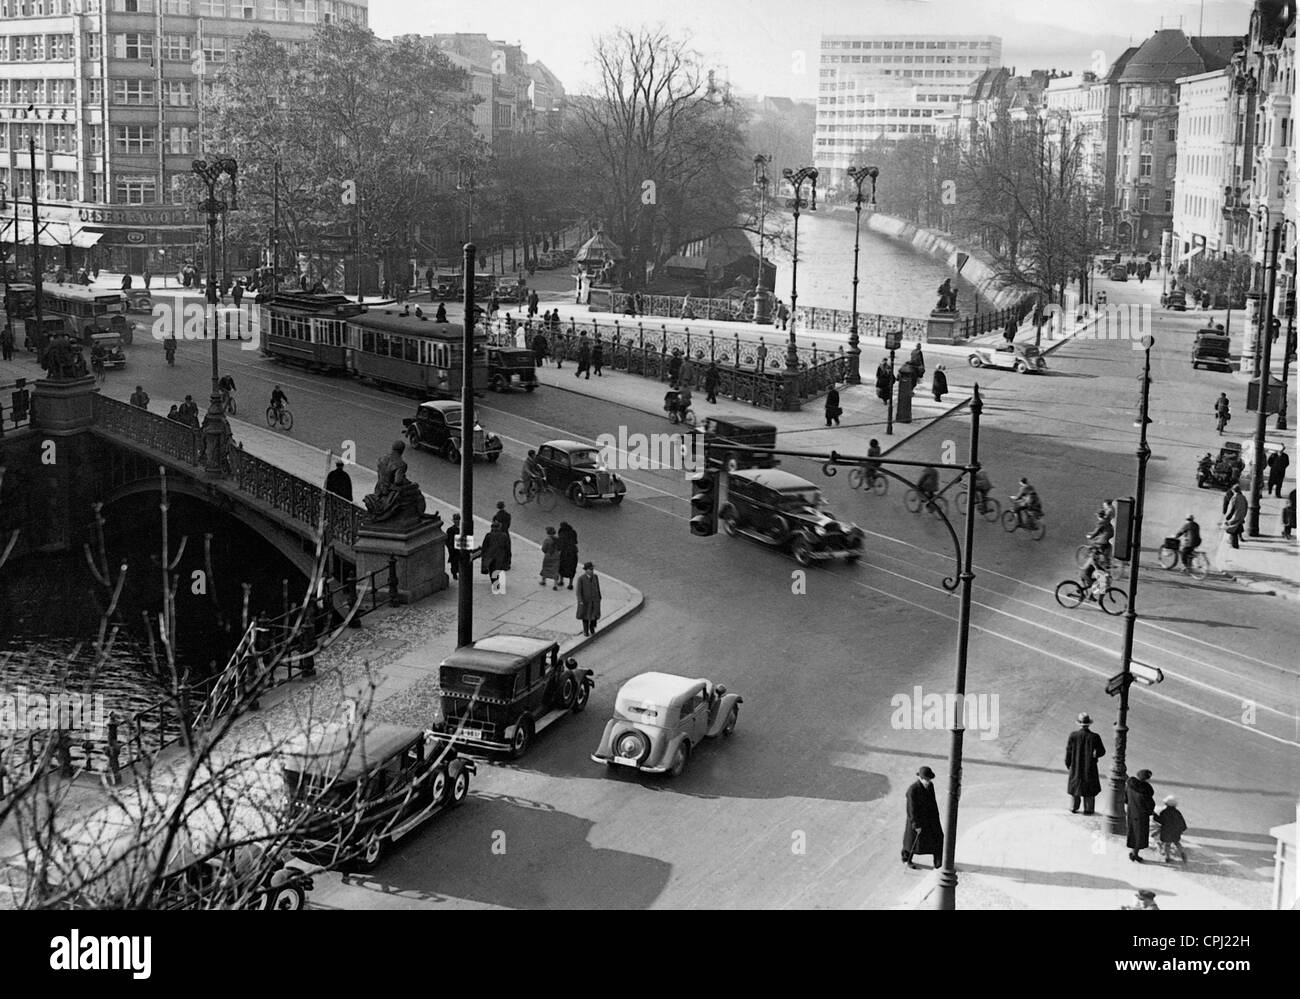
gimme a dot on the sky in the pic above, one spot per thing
(770, 47)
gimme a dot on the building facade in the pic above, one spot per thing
(889, 87)
(112, 93)
(1204, 155)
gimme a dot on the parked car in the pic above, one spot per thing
(448, 284)
(354, 792)
(436, 426)
(499, 692)
(785, 511)
(1118, 272)
(1023, 358)
(512, 291)
(719, 431)
(660, 719)
(1211, 349)
(1175, 299)
(576, 471)
(505, 364)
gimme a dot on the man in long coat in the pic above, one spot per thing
(1234, 516)
(338, 481)
(884, 381)
(1278, 462)
(923, 833)
(495, 553)
(588, 595)
(1141, 805)
(1082, 751)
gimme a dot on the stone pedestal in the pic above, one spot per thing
(943, 327)
(420, 549)
(61, 408)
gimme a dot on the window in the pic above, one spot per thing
(177, 187)
(177, 47)
(90, 45)
(1144, 201)
(181, 7)
(133, 6)
(1173, 134)
(1148, 131)
(212, 8)
(133, 46)
(214, 48)
(133, 91)
(63, 185)
(133, 138)
(179, 140)
(1171, 166)
(96, 191)
(60, 92)
(1144, 166)
(178, 93)
(92, 90)
(248, 10)
(1169, 202)
(59, 46)
(135, 190)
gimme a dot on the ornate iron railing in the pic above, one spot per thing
(869, 323)
(176, 440)
(995, 321)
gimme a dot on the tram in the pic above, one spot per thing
(308, 329)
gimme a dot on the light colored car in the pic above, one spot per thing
(660, 719)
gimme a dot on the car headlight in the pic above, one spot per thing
(630, 745)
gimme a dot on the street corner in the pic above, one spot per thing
(1268, 565)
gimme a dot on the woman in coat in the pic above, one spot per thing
(550, 558)
(496, 552)
(939, 383)
(588, 599)
(567, 546)
(1141, 798)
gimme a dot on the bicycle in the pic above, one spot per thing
(936, 504)
(536, 489)
(990, 509)
(1013, 520)
(868, 479)
(279, 416)
(1083, 554)
(1170, 555)
(1070, 594)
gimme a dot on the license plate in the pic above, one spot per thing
(471, 733)
(626, 761)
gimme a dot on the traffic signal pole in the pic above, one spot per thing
(465, 544)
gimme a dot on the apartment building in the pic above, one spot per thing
(1204, 165)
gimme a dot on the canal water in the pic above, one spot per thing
(893, 279)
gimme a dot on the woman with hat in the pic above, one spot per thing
(1141, 799)
(588, 598)
(551, 558)
(1172, 827)
(923, 833)
(1082, 751)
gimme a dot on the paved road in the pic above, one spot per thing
(802, 808)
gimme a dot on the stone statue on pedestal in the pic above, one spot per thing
(947, 297)
(395, 498)
(62, 360)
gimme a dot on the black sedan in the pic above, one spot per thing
(577, 471)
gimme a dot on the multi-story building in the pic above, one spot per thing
(111, 91)
(890, 87)
(1145, 150)
(1203, 168)
(1090, 103)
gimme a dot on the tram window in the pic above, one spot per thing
(413, 350)
(367, 342)
(381, 344)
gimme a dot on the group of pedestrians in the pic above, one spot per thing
(187, 413)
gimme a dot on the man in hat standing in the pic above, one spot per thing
(923, 833)
(1082, 751)
(588, 594)
(339, 482)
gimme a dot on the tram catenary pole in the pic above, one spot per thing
(465, 588)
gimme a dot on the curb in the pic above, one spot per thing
(617, 618)
(942, 416)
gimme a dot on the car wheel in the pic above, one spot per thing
(801, 551)
(679, 759)
(290, 899)
(452, 452)
(371, 852)
(459, 788)
(438, 785)
(568, 690)
(577, 495)
(498, 384)
(1020, 368)
(779, 529)
(413, 438)
(618, 498)
(584, 695)
(974, 361)
(522, 738)
(732, 718)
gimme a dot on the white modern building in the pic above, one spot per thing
(890, 87)
(1204, 164)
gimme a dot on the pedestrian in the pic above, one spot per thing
(1082, 751)
(539, 348)
(1172, 826)
(675, 366)
(939, 383)
(428, 279)
(1234, 515)
(174, 414)
(1009, 334)
(1140, 806)
(7, 342)
(237, 293)
(833, 405)
(884, 381)
(532, 304)
(451, 540)
(147, 278)
(495, 556)
(584, 359)
(307, 645)
(598, 357)
(711, 377)
(494, 304)
(550, 558)
(760, 356)
(567, 545)
(588, 595)
(126, 282)
(1146, 900)
(782, 313)
(1278, 462)
(923, 833)
(917, 361)
(1288, 516)
(1223, 410)
(338, 481)
(140, 398)
(502, 516)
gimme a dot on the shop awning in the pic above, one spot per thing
(51, 234)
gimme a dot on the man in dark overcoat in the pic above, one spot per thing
(923, 833)
(1141, 805)
(588, 595)
(1082, 751)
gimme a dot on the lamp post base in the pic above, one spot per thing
(854, 374)
(944, 895)
(216, 439)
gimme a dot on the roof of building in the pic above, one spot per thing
(1169, 54)
(1119, 65)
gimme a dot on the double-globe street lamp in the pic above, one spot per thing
(216, 428)
(796, 179)
(859, 176)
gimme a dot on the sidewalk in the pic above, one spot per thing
(1045, 859)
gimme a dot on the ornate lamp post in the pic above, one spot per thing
(797, 178)
(859, 176)
(216, 428)
(1264, 358)
(1288, 350)
(762, 313)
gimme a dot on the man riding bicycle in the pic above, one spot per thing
(534, 477)
(278, 400)
(1102, 534)
(873, 467)
(1095, 576)
(983, 484)
(1189, 539)
(1027, 504)
(227, 386)
(928, 484)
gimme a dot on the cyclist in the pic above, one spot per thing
(1027, 504)
(983, 484)
(1095, 576)
(1102, 534)
(534, 477)
(1189, 539)
(683, 400)
(928, 484)
(873, 467)
(227, 386)
(278, 400)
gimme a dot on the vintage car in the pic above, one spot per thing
(576, 470)
(436, 426)
(1222, 472)
(448, 284)
(1024, 358)
(36, 336)
(719, 431)
(109, 345)
(505, 364)
(1176, 299)
(1118, 272)
(786, 512)
(512, 291)
(139, 300)
(499, 692)
(1211, 348)
(660, 719)
(353, 791)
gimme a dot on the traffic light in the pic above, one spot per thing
(1123, 540)
(704, 503)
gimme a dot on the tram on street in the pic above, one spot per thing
(308, 329)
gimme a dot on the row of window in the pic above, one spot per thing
(52, 91)
(294, 11)
(50, 138)
(869, 43)
(888, 127)
(906, 60)
(1143, 201)
(176, 93)
(928, 74)
(45, 8)
(35, 48)
(874, 113)
(870, 98)
(137, 140)
(54, 185)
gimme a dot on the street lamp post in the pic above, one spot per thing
(1287, 349)
(465, 590)
(216, 428)
(1264, 358)
(797, 178)
(37, 269)
(761, 312)
(1115, 808)
(859, 176)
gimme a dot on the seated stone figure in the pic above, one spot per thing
(395, 498)
(62, 359)
(947, 297)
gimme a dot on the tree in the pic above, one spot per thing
(657, 151)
